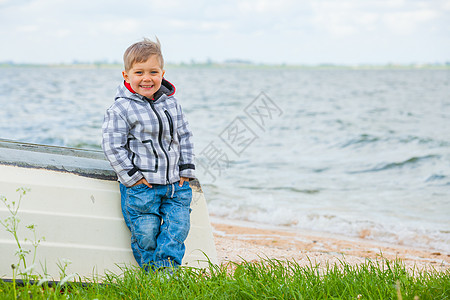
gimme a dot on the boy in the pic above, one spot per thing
(148, 143)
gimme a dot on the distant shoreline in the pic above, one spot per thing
(234, 65)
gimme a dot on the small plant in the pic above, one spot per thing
(62, 265)
(11, 224)
(23, 267)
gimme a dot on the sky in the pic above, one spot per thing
(261, 31)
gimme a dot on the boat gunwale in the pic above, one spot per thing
(63, 159)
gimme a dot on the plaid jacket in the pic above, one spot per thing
(148, 138)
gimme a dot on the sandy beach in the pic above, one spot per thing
(237, 241)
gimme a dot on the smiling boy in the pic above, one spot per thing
(145, 77)
(148, 143)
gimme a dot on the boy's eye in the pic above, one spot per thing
(138, 72)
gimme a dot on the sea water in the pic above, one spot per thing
(357, 152)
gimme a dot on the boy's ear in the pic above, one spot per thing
(125, 76)
(163, 72)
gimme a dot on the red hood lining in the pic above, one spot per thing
(128, 86)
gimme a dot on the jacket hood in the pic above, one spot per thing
(123, 91)
(148, 138)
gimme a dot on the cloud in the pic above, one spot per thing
(266, 7)
(11, 3)
(119, 27)
(406, 22)
(261, 30)
(346, 18)
(27, 29)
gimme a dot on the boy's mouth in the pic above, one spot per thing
(146, 86)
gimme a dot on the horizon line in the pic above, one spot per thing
(231, 62)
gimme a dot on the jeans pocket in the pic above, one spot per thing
(183, 195)
(140, 198)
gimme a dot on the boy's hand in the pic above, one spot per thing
(183, 179)
(143, 181)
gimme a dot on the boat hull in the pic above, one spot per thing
(77, 211)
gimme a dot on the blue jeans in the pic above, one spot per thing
(159, 221)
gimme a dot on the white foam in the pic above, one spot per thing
(415, 234)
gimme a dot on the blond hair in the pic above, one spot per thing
(141, 52)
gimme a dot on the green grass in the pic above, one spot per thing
(266, 279)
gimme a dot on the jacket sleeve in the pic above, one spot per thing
(186, 162)
(115, 135)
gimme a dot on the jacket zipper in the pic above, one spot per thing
(169, 118)
(160, 136)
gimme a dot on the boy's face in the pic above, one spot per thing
(145, 77)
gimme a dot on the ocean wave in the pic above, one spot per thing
(389, 231)
(282, 188)
(435, 177)
(296, 190)
(393, 165)
(367, 139)
(360, 140)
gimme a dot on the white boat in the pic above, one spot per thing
(74, 201)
